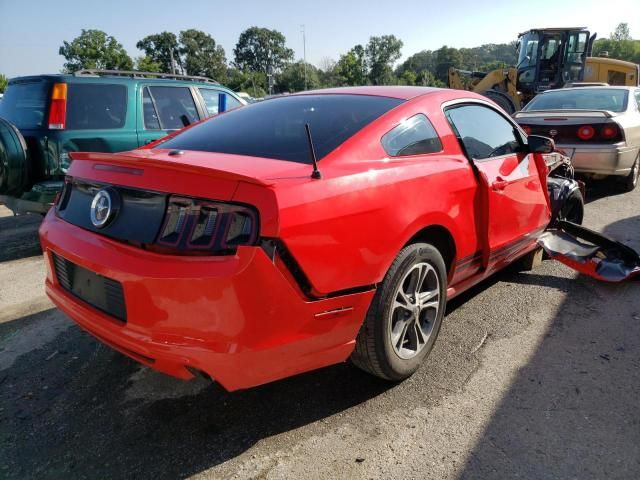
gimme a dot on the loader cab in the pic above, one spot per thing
(550, 58)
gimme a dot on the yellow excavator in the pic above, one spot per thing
(548, 58)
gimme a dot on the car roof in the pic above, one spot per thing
(593, 87)
(400, 92)
(127, 80)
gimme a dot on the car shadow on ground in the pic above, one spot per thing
(76, 409)
(19, 237)
(606, 187)
(551, 422)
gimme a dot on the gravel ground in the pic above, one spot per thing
(534, 375)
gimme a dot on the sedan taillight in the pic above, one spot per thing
(201, 227)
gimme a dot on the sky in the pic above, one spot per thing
(32, 31)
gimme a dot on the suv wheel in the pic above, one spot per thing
(404, 318)
(14, 175)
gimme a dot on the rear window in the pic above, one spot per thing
(25, 103)
(588, 98)
(276, 128)
(96, 106)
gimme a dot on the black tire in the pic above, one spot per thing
(630, 182)
(502, 100)
(14, 175)
(374, 351)
(573, 208)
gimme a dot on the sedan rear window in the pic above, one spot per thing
(588, 98)
(276, 128)
(25, 103)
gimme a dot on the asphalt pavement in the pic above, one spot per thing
(534, 375)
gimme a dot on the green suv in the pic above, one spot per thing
(44, 117)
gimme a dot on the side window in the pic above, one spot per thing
(232, 102)
(414, 136)
(150, 115)
(175, 107)
(638, 98)
(96, 106)
(211, 100)
(484, 132)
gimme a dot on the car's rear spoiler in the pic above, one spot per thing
(565, 113)
(590, 253)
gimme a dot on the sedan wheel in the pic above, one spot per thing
(631, 181)
(405, 315)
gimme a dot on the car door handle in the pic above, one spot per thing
(499, 184)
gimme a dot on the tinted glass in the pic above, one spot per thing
(211, 100)
(232, 103)
(414, 136)
(638, 98)
(589, 98)
(150, 115)
(25, 104)
(175, 106)
(276, 128)
(96, 106)
(484, 132)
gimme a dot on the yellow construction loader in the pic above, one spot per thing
(547, 58)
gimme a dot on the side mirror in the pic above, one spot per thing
(539, 144)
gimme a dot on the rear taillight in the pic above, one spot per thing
(193, 226)
(609, 132)
(586, 132)
(58, 107)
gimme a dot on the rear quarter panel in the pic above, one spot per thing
(346, 229)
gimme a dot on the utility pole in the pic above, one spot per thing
(173, 64)
(304, 54)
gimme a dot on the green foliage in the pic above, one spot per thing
(202, 56)
(4, 81)
(160, 48)
(446, 58)
(382, 52)
(250, 82)
(261, 50)
(146, 64)
(94, 49)
(292, 78)
(619, 45)
(351, 69)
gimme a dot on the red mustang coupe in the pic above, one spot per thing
(296, 233)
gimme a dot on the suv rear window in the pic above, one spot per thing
(96, 106)
(25, 103)
(276, 128)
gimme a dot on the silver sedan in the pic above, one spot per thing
(597, 127)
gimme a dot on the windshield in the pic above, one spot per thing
(276, 128)
(590, 98)
(528, 54)
(25, 103)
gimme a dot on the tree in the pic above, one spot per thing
(146, 64)
(261, 50)
(446, 58)
(162, 49)
(292, 78)
(250, 82)
(202, 56)
(382, 52)
(4, 81)
(328, 73)
(352, 67)
(621, 33)
(94, 49)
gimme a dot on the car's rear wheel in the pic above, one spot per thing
(405, 315)
(630, 182)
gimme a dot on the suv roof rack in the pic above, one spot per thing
(134, 74)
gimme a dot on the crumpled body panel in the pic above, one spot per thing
(590, 253)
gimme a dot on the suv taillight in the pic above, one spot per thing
(200, 227)
(58, 107)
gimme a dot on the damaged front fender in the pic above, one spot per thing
(589, 252)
